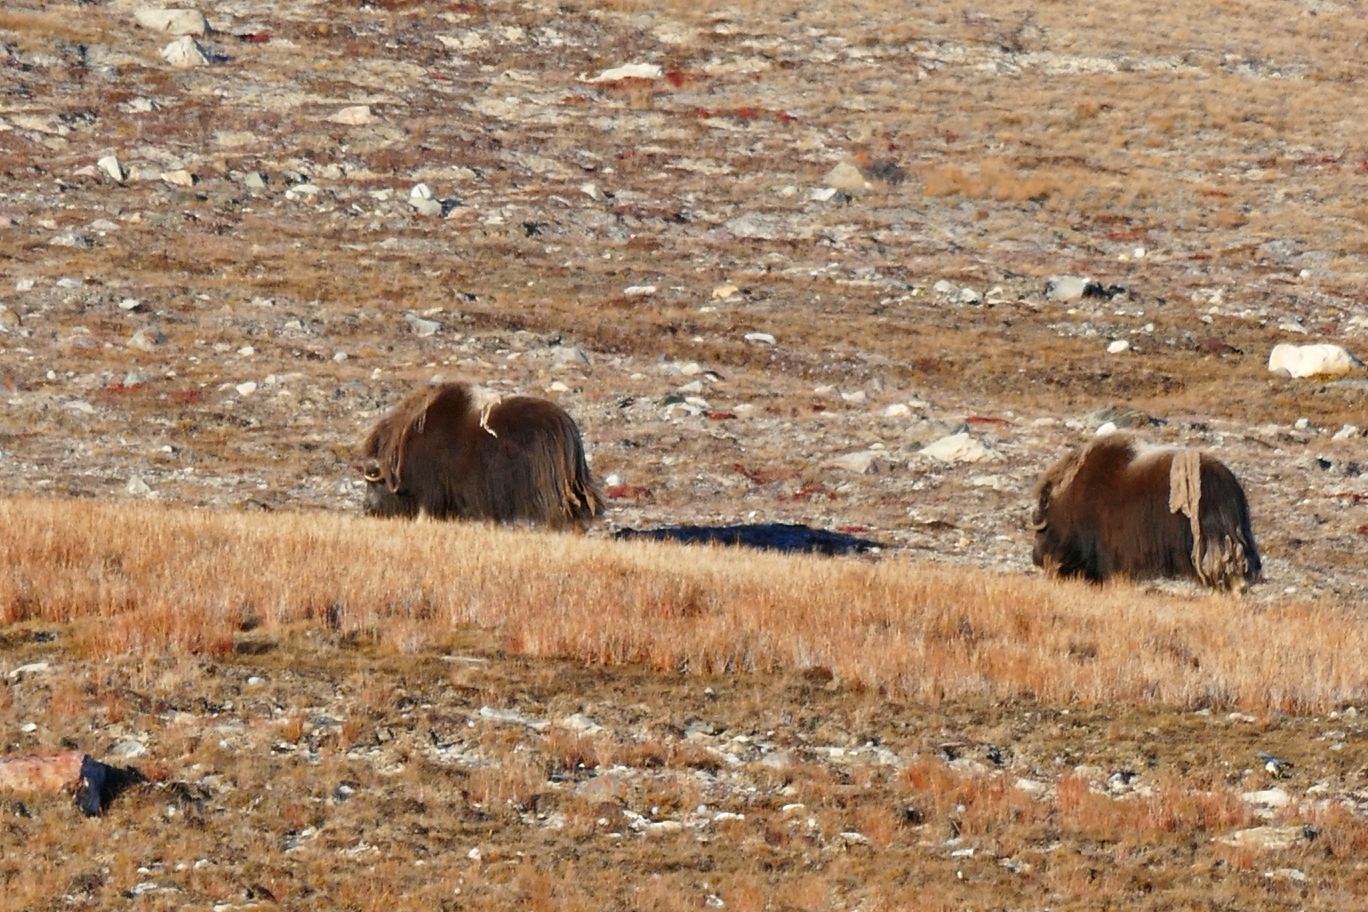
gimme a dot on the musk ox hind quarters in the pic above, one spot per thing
(1118, 508)
(458, 451)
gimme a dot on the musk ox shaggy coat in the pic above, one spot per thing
(458, 451)
(1118, 508)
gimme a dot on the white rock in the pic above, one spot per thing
(1292, 326)
(1067, 289)
(137, 487)
(422, 327)
(246, 389)
(761, 338)
(865, 462)
(557, 387)
(968, 296)
(184, 53)
(578, 722)
(353, 116)
(724, 291)
(30, 668)
(996, 482)
(823, 194)
(134, 378)
(110, 166)
(147, 340)
(613, 480)
(1272, 798)
(1117, 347)
(1347, 432)
(130, 304)
(593, 192)
(898, 410)
(127, 750)
(956, 448)
(628, 71)
(1291, 874)
(24, 285)
(420, 191)
(175, 21)
(428, 207)
(1272, 838)
(856, 397)
(303, 191)
(846, 178)
(246, 351)
(178, 178)
(944, 287)
(1106, 427)
(639, 291)
(566, 355)
(340, 356)
(1311, 360)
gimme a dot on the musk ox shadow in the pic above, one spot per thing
(788, 538)
(458, 451)
(1118, 508)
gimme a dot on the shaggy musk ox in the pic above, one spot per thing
(1118, 508)
(458, 451)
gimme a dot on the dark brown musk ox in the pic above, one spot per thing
(1118, 508)
(459, 451)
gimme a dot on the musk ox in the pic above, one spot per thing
(1116, 507)
(459, 451)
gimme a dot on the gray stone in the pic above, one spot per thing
(254, 180)
(755, 226)
(72, 239)
(137, 487)
(760, 338)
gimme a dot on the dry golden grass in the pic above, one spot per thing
(146, 579)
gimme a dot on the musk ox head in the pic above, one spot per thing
(1116, 508)
(457, 451)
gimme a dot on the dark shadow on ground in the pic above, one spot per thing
(789, 538)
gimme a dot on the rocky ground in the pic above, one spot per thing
(766, 256)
